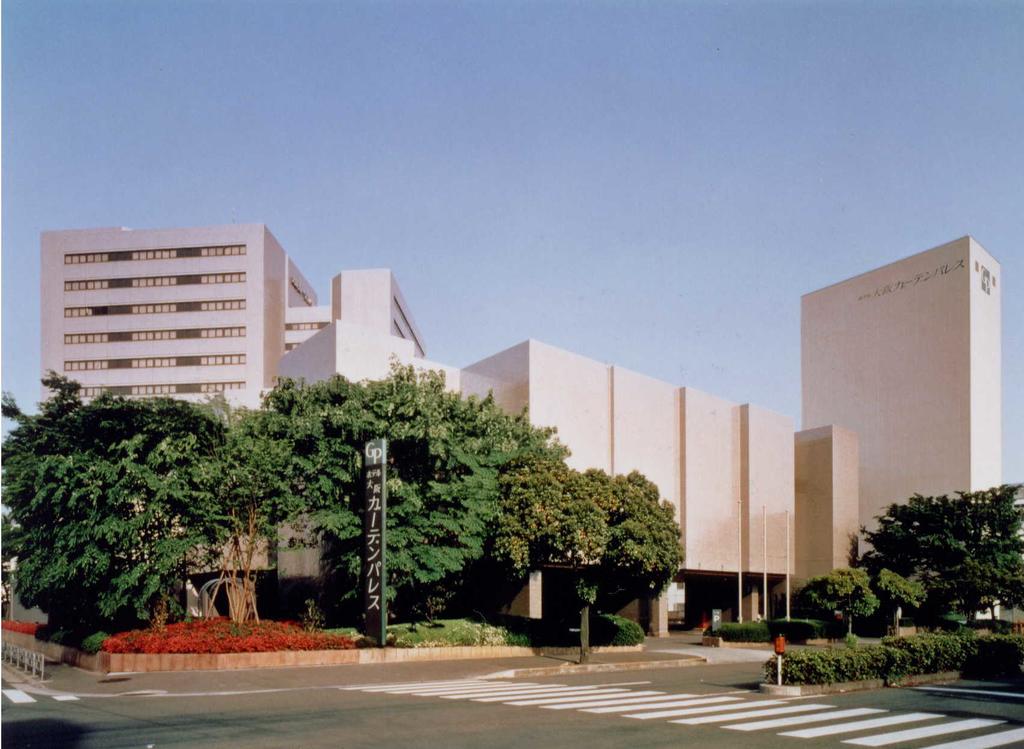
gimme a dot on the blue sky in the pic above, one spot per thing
(649, 184)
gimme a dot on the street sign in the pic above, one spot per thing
(375, 606)
(716, 619)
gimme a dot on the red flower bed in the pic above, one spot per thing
(26, 628)
(222, 636)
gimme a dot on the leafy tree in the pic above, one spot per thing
(108, 502)
(445, 453)
(608, 532)
(896, 591)
(844, 589)
(965, 550)
(249, 481)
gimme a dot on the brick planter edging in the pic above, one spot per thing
(145, 662)
(803, 690)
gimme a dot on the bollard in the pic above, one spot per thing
(780, 648)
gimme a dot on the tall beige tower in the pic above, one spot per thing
(908, 356)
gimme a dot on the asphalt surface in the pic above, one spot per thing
(460, 704)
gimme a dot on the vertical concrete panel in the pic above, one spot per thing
(986, 295)
(571, 392)
(711, 481)
(768, 489)
(646, 430)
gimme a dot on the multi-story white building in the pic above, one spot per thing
(900, 378)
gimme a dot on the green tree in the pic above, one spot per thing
(965, 550)
(248, 479)
(610, 533)
(445, 453)
(895, 591)
(108, 500)
(844, 589)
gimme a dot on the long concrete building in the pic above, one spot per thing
(194, 312)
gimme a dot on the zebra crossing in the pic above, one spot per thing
(737, 710)
(18, 697)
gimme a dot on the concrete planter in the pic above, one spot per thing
(805, 690)
(146, 662)
(712, 641)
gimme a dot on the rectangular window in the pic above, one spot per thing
(153, 281)
(155, 308)
(114, 256)
(153, 362)
(305, 325)
(161, 389)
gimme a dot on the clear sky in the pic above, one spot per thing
(649, 184)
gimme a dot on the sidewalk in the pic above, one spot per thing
(658, 653)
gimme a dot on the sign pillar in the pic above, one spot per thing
(375, 606)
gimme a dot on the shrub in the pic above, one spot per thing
(25, 628)
(929, 654)
(744, 632)
(609, 629)
(830, 666)
(898, 657)
(801, 630)
(94, 642)
(224, 636)
(996, 655)
(995, 626)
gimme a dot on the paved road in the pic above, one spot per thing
(451, 705)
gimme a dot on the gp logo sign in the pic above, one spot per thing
(374, 453)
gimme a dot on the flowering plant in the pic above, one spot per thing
(224, 636)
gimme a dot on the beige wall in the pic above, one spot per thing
(710, 436)
(573, 393)
(889, 355)
(766, 481)
(826, 514)
(645, 435)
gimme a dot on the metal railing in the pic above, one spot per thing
(25, 659)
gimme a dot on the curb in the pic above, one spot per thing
(597, 668)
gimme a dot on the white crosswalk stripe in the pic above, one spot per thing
(65, 698)
(592, 694)
(799, 720)
(414, 685)
(951, 691)
(702, 710)
(17, 696)
(801, 708)
(1001, 738)
(914, 734)
(575, 703)
(654, 703)
(861, 725)
(428, 690)
(555, 692)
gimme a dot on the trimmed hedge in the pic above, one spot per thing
(609, 629)
(605, 629)
(898, 657)
(802, 630)
(744, 632)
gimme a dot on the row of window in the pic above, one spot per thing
(305, 325)
(152, 309)
(150, 362)
(148, 281)
(179, 252)
(173, 389)
(154, 335)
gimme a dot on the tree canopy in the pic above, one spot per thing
(445, 454)
(612, 533)
(966, 550)
(844, 589)
(108, 499)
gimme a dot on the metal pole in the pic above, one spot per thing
(739, 560)
(764, 550)
(779, 682)
(787, 565)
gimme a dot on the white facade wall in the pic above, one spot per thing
(908, 357)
